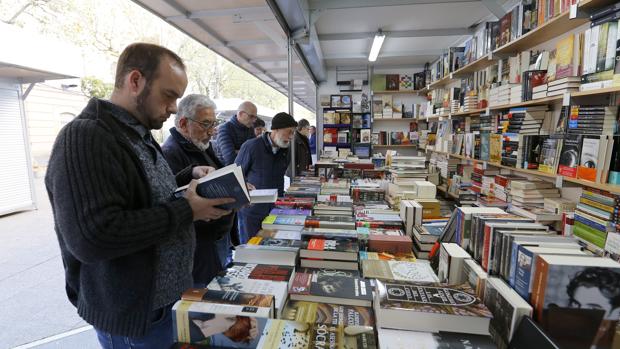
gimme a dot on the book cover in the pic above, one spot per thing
(507, 308)
(313, 285)
(274, 243)
(275, 220)
(281, 334)
(259, 272)
(227, 182)
(564, 57)
(549, 155)
(385, 256)
(588, 162)
(406, 82)
(495, 148)
(228, 297)
(389, 243)
(392, 82)
(290, 212)
(330, 314)
(220, 325)
(279, 234)
(333, 245)
(398, 271)
(432, 298)
(569, 158)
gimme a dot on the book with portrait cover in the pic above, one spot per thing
(507, 308)
(282, 334)
(567, 286)
(277, 289)
(569, 157)
(219, 325)
(330, 314)
(315, 286)
(430, 307)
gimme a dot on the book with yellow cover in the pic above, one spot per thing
(564, 57)
(495, 148)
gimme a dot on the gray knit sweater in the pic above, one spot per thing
(108, 228)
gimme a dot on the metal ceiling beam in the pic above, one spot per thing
(386, 54)
(243, 11)
(398, 34)
(241, 43)
(273, 59)
(495, 7)
(272, 34)
(347, 4)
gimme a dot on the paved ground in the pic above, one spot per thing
(33, 304)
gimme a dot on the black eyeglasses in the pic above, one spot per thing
(207, 125)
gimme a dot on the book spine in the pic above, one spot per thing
(539, 287)
(596, 205)
(588, 222)
(590, 234)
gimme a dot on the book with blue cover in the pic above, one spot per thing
(227, 182)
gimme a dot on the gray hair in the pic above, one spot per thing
(302, 123)
(190, 104)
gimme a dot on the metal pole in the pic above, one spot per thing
(290, 102)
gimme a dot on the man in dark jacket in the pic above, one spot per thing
(303, 157)
(234, 132)
(189, 144)
(264, 161)
(313, 143)
(126, 245)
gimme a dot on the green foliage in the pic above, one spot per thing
(93, 87)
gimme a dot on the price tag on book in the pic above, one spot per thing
(566, 99)
(559, 180)
(573, 10)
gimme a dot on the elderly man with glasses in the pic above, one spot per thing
(233, 133)
(189, 143)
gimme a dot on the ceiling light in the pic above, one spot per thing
(377, 42)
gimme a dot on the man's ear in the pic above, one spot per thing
(134, 81)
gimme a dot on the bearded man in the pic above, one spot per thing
(264, 161)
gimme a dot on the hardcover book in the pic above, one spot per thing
(315, 286)
(227, 182)
(569, 158)
(430, 307)
(259, 272)
(330, 249)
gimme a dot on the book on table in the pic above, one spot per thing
(507, 308)
(227, 182)
(430, 308)
(330, 249)
(256, 271)
(277, 289)
(418, 271)
(263, 196)
(399, 339)
(331, 287)
(295, 222)
(282, 334)
(331, 314)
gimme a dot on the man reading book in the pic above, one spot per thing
(127, 246)
(264, 161)
(190, 143)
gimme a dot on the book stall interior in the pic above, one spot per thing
(468, 201)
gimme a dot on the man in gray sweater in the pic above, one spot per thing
(126, 244)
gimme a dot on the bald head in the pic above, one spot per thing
(246, 114)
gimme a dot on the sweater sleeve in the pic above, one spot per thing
(225, 144)
(94, 207)
(244, 159)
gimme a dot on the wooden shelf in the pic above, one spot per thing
(540, 101)
(424, 90)
(602, 186)
(412, 92)
(599, 91)
(479, 64)
(393, 120)
(467, 113)
(395, 146)
(441, 82)
(553, 28)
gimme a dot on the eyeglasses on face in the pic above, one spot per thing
(252, 116)
(206, 124)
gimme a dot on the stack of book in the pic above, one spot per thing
(594, 216)
(539, 91)
(334, 253)
(592, 119)
(531, 192)
(563, 85)
(525, 120)
(516, 91)
(470, 102)
(333, 208)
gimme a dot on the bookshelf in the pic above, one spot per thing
(540, 101)
(595, 92)
(602, 186)
(395, 120)
(479, 64)
(400, 92)
(395, 146)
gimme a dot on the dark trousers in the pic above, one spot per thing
(158, 336)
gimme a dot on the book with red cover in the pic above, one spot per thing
(293, 202)
(330, 249)
(259, 272)
(389, 243)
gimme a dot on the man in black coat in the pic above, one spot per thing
(189, 143)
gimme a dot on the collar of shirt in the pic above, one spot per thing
(126, 118)
(274, 148)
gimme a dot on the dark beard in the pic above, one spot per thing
(143, 110)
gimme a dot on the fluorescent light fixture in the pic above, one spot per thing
(377, 42)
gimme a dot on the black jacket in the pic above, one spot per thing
(180, 153)
(303, 157)
(106, 225)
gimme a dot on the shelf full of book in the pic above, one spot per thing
(601, 186)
